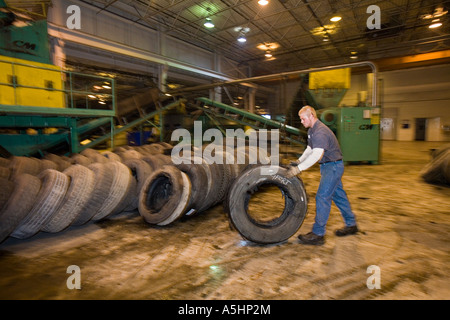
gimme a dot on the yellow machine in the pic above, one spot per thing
(30, 83)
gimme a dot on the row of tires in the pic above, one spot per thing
(55, 192)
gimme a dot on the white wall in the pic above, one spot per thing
(409, 94)
(419, 93)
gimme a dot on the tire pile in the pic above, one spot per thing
(55, 192)
(437, 171)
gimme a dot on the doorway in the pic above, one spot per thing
(387, 127)
(420, 129)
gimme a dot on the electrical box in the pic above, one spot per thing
(358, 132)
(30, 83)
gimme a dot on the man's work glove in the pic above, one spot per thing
(294, 163)
(292, 172)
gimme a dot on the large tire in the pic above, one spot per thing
(118, 192)
(80, 159)
(164, 196)
(48, 164)
(205, 199)
(103, 182)
(20, 165)
(198, 178)
(19, 204)
(129, 193)
(216, 176)
(140, 170)
(437, 171)
(94, 155)
(155, 148)
(111, 156)
(82, 181)
(5, 173)
(6, 190)
(4, 162)
(48, 201)
(154, 162)
(164, 159)
(278, 229)
(130, 154)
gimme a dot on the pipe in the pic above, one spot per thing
(281, 75)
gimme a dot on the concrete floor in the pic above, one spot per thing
(404, 226)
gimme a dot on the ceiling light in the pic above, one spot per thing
(268, 54)
(208, 23)
(263, 2)
(354, 57)
(435, 25)
(326, 38)
(91, 96)
(268, 46)
(242, 38)
(336, 18)
(438, 12)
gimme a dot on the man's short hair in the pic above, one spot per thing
(308, 109)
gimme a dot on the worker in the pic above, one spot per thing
(323, 147)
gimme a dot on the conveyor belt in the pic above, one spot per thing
(220, 110)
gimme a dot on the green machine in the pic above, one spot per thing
(27, 41)
(358, 131)
(357, 128)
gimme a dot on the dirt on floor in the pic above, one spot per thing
(401, 251)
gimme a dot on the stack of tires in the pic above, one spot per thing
(191, 186)
(55, 192)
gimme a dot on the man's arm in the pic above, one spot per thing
(305, 154)
(307, 160)
(310, 159)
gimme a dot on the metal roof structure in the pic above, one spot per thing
(298, 33)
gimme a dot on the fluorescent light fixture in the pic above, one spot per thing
(435, 24)
(263, 2)
(208, 23)
(336, 18)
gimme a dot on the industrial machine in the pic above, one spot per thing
(44, 108)
(357, 128)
